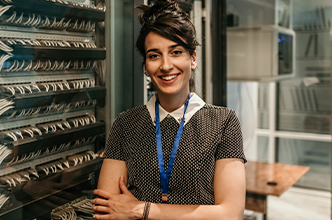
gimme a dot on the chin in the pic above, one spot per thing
(171, 92)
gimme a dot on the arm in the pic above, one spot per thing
(111, 202)
(229, 188)
(110, 173)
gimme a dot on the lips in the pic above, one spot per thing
(168, 77)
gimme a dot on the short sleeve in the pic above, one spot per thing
(115, 141)
(231, 142)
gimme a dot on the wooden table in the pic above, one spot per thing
(264, 179)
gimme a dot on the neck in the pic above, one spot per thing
(172, 102)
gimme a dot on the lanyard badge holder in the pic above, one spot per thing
(165, 178)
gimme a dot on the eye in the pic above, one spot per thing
(152, 56)
(177, 52)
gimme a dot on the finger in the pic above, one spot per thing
(99, 209)
(101, 216)
(99, 201)
(123, 186)
(102, 193)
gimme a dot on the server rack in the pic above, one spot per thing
(52, 72)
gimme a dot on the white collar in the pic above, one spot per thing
(195, 104)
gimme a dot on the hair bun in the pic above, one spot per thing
(167, 19)
(160, 7)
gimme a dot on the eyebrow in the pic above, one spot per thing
(154, 50)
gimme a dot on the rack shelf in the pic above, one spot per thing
(66, 179)
(25, 121)
(44, 159)
(36, 143)
(50, 8)
(31, 100)
(50, 53)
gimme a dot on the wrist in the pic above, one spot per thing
(146, 211)
(138, 210)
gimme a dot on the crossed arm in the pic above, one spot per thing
(116, 202)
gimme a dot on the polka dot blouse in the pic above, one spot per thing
(212, 133)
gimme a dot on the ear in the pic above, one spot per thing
(144, 70)
(193, 61)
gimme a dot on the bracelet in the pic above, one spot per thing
(146, 210)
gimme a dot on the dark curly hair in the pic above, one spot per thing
(166, 18)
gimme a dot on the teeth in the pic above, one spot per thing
(168, 77)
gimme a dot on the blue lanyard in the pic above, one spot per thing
(165, 178)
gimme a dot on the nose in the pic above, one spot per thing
(166, 64)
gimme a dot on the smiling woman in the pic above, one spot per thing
(169, 66)
(175, 157)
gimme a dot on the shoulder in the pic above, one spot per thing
(216, 108)
(132, 118)
(214, 118)
(213, 112)
(133, 113)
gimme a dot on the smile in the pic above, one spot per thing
(169, 77)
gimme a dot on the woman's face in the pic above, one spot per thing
(168, 64)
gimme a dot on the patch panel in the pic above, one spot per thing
(51, 86)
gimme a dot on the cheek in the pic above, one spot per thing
(151, 68)
(188, 70)
(154, 82)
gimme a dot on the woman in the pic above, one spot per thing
(180, 157)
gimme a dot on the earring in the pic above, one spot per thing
(144, 71)
(193, 65)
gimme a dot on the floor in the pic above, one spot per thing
(297, 204)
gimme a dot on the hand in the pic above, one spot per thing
(116, 206)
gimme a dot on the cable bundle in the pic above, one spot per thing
(17, 178)
(3, 199)
(65, 214)
(47, 65)
(24, 133)
(81, 84)
(100, 6)
(52, 127)
(5, 57)
(9, 64)
(46, 87)
(6, 43)
(20, 88)
(81, 208)
(4, 9)
(9, 111)
(4, 152)
(25, 157)
(7, 104)
(65, 85)
(61, 147)
(68, 124)
(39, 21)
(4, 47)
(80, 158)
(32, 21)
(82, 26)
(52, 167)
(7, 1)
